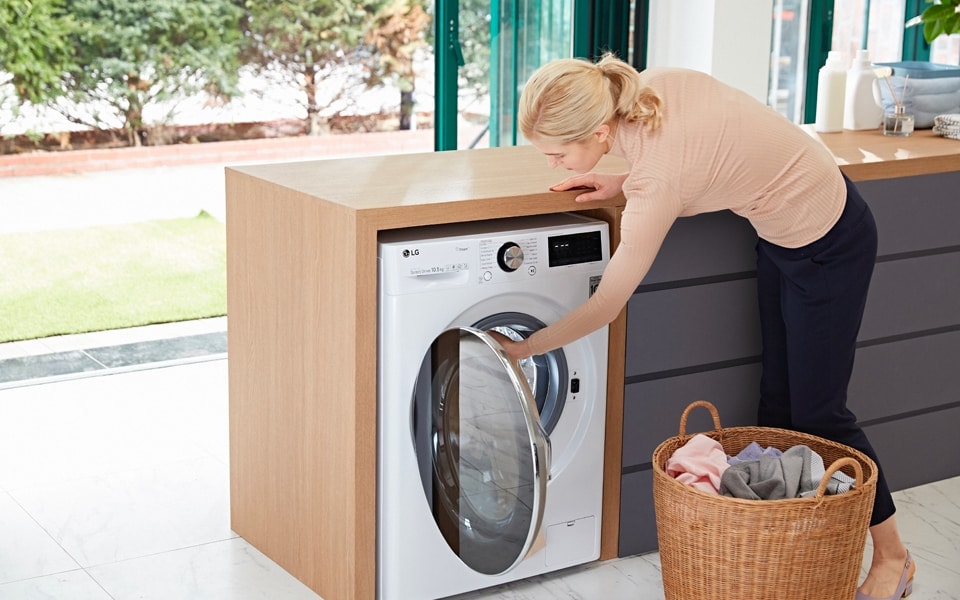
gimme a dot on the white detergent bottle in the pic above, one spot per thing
(860, 108)
(830, 94)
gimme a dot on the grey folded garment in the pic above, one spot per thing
(753, 451)
(839, 482)
(794, 474)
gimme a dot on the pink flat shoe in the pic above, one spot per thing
(904, 589)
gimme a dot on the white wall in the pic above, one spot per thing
(730, 39)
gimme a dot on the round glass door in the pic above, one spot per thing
(545, 373)
(482, 453)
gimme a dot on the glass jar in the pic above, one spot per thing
(898, 122)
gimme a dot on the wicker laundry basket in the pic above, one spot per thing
(717, 547)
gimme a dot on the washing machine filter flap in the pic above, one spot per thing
(484, 457)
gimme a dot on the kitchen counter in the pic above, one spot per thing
(302, 305)
(869, 155)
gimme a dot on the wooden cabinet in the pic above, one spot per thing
(302, 324)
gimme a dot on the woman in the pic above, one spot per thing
(695, 145)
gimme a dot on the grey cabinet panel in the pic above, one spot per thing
(690, 326)
(704, 246)
(888, 380)
(913, 295)
(918, 449)
(693, 333)
(638, 524)
(905, 376)
(652, 409)
(915, 213)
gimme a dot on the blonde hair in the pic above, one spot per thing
(566, 100)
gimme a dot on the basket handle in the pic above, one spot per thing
(697, 404)
(837, 464)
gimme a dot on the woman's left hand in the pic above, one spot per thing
(605, 185)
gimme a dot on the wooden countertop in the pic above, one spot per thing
(440, 187)
(444, 187)
(866, 155)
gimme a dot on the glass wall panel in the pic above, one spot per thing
(527, 34)
(493, 46)
(788, 57)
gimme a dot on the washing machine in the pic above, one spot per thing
(488, 470)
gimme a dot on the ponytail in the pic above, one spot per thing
(634, 101)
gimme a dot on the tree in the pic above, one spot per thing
(397, 34)
(34, 50)
(130, 53)
(304, 43)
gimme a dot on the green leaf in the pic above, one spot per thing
(938, 19)
(931, 29)
(952, 23)
(938, 11)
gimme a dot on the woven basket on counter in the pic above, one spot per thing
(723, 548)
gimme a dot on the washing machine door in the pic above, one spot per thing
(483, 454)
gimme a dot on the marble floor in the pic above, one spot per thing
(114, 485)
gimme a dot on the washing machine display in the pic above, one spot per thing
(488, 471)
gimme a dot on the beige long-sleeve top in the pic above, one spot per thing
(717, 149)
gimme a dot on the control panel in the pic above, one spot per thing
(488, 257)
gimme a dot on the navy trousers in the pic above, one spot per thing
(811, 305)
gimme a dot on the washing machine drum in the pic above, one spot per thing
(482, 450)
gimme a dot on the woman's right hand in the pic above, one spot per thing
(605, 185)
(515, 350)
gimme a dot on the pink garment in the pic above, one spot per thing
(699, 463)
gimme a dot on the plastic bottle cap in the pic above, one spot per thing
(835, 59)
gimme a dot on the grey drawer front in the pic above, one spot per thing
(690, 326)
(652, 409)
(730, 239)
(905, 376)
(918, 449)
(915, 213)
(638, 522)
(913, 295)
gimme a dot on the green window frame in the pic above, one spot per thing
(598, 26)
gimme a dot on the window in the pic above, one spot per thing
(804, 30)
(946, 50)
(788, 57)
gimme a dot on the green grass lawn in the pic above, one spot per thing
(109, 277)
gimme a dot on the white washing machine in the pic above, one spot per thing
(487, 472)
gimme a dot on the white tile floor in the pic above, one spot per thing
(116, 487)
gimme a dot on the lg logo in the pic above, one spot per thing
(409, 253)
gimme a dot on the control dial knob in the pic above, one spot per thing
(510, 257)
